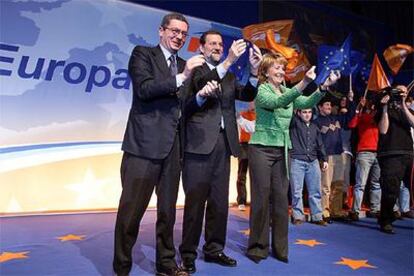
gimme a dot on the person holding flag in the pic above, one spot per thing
(268, 154)
(395, 144)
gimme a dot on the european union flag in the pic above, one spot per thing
(357, 61)
(239, 68)
(361, 76)
(333, 58)
(364, 72)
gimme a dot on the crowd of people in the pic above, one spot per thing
(183, 121)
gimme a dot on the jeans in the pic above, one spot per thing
(311, 173)
(403, 201)
(367, 165)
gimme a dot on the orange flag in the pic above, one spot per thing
(289, 53)
(285, 51)
(298, 72)
(395, 56)
(256, 33)
(377, 78)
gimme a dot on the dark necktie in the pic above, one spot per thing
(173, 65)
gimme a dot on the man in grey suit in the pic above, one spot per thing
(152, 145)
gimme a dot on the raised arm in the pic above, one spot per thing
(406, 110)
(353, 123)
(145, 85)
(268, 99)
(237, 48)
(384, 122)
(303, 102)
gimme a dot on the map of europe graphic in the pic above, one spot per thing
(49, 109)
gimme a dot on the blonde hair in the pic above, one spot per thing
(268, 61)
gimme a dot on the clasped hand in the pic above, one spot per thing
(209, 90)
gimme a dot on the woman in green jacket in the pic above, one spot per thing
(268, 150)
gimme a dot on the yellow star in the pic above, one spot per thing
(7, 256)
(71, 237)
(355, 264)
(245, 232)
(310, 243)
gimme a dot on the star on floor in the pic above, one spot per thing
(71, 237)
(355, 264)
(7, 256)
(310, 243)
(245, 232)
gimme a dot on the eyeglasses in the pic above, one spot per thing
(176, 32)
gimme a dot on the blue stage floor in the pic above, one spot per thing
(82, 244)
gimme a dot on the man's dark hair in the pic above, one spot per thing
(174, 15)
(205, 34)
(325, 100)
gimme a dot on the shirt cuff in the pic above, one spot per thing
(179, 79)
(200, 100)
(221, 72)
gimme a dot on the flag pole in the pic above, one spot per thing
(410, 86)
(366, 91)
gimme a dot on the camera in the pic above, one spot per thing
(395, 95)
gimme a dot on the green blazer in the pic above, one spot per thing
(274, 112)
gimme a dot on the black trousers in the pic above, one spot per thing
(268, 182)
(241, 174)
(139, 176)
(394, 169)
(206, 187)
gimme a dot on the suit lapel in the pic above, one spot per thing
(181, 64)
(160, 60)
(224, 85)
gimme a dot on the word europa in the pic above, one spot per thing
(73, 73)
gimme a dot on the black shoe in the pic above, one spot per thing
(220, 259)
(342, 218)
(297, 221)
(328, 220)
(170, 271)
(254, 258)
(188, 265)
(387, 229)
(373, 214)
(282, 258)
(397, 215)
(353, 216)
(409, 214)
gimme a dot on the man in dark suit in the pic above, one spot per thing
(211, 138)
(152, 145)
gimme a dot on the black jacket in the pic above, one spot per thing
(154, 116)
(202, 124)
(306, 140)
